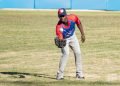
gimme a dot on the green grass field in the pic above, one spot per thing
(28, 56)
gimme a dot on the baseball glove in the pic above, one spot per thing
(60, 43)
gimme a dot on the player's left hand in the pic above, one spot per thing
(60, 43)
(83, 38)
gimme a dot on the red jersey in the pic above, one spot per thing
(63, 31)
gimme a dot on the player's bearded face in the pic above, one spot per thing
(63, 19)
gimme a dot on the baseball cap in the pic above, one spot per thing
(62, 12)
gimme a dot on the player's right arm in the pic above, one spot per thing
(58, 32)
(79, 25)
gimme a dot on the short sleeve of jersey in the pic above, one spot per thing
(58, 32)
(74, 18)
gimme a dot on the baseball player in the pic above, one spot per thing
(65, 30)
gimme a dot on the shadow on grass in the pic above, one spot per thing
(53, 83)
(22, 75)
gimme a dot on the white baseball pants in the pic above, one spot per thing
(73, 43)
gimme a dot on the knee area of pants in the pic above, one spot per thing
(66, 54)
(77, 53)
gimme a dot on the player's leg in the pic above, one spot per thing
(74, 44)
(63, 61)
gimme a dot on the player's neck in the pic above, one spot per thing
(66, 23)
